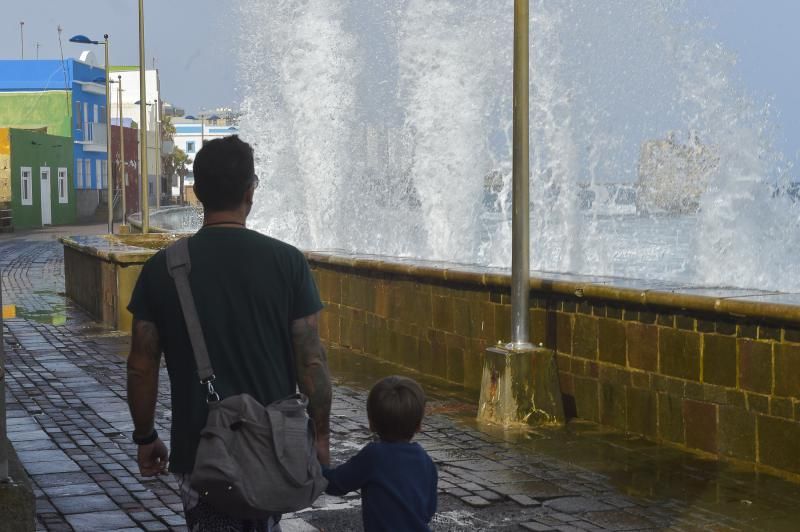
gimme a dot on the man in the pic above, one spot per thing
(258, 306)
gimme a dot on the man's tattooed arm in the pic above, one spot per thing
(143, 363)
(313, 378)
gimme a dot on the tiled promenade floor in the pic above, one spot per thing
(69, 423)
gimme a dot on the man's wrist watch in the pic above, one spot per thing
(145, 440)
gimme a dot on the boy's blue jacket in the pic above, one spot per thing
(397, 482)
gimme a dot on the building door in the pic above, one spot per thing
(44, 174)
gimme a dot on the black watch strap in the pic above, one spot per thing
(145, 440)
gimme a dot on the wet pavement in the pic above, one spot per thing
(69, 423)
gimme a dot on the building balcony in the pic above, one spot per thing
(95, 137)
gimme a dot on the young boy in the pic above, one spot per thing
(397, 478)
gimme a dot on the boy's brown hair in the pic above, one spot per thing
(395, 407)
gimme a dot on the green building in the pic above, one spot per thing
(36, 178)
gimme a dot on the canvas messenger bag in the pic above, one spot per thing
(253, 460)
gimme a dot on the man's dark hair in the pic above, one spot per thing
(395, 407)
(223, 170)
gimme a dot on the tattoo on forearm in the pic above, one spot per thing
(312, 370)
(145, 339)
(143, 363)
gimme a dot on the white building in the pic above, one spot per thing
(191, 134)
(129, 78)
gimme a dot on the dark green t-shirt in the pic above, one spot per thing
(248, 288)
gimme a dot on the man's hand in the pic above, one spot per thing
(143, 362)
(323, 446)
(152, 458)
(313, 379)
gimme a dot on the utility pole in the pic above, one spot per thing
(157, 111)
(124, 173)
(21, 40)
(37, 50)
(520, 382)
(145, 205)
(520, 169)
(110, 176)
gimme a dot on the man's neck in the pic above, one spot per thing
(232, 218)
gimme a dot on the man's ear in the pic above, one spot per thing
(248, 196)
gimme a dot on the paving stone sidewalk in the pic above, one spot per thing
(68, 421)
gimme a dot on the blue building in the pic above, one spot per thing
(65, 98)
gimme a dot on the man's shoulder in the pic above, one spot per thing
(274, 243)
(156, 262)
(283, 251)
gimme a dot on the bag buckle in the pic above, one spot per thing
(213, 396)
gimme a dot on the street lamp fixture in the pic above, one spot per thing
(83, 39)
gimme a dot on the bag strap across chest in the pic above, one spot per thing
(179, 264)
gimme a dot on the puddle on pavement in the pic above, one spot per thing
(51, 308)
(633, 465)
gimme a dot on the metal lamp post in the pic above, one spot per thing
(145, 204)
(83, 39)
(157, 107)
(520, 224)
(520, 382)
(158, 149)
(123, 181)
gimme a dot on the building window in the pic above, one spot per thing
(190, 147)
(63, 186)
(26, 185)
(87, 173)
(85, 121)
(78, 121)
(98, 174)
(79, 172)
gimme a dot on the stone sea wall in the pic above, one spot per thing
(716, 374)
(716, 371)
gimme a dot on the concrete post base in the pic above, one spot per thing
(520, 387)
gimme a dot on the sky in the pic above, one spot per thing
(192, 41)
(764, 36)
(194, 45)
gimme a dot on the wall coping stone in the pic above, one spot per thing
(726, 303)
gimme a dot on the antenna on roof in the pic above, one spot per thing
(64, 68)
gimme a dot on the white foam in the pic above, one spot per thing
(377, 122)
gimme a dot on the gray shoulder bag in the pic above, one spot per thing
(253, 460)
